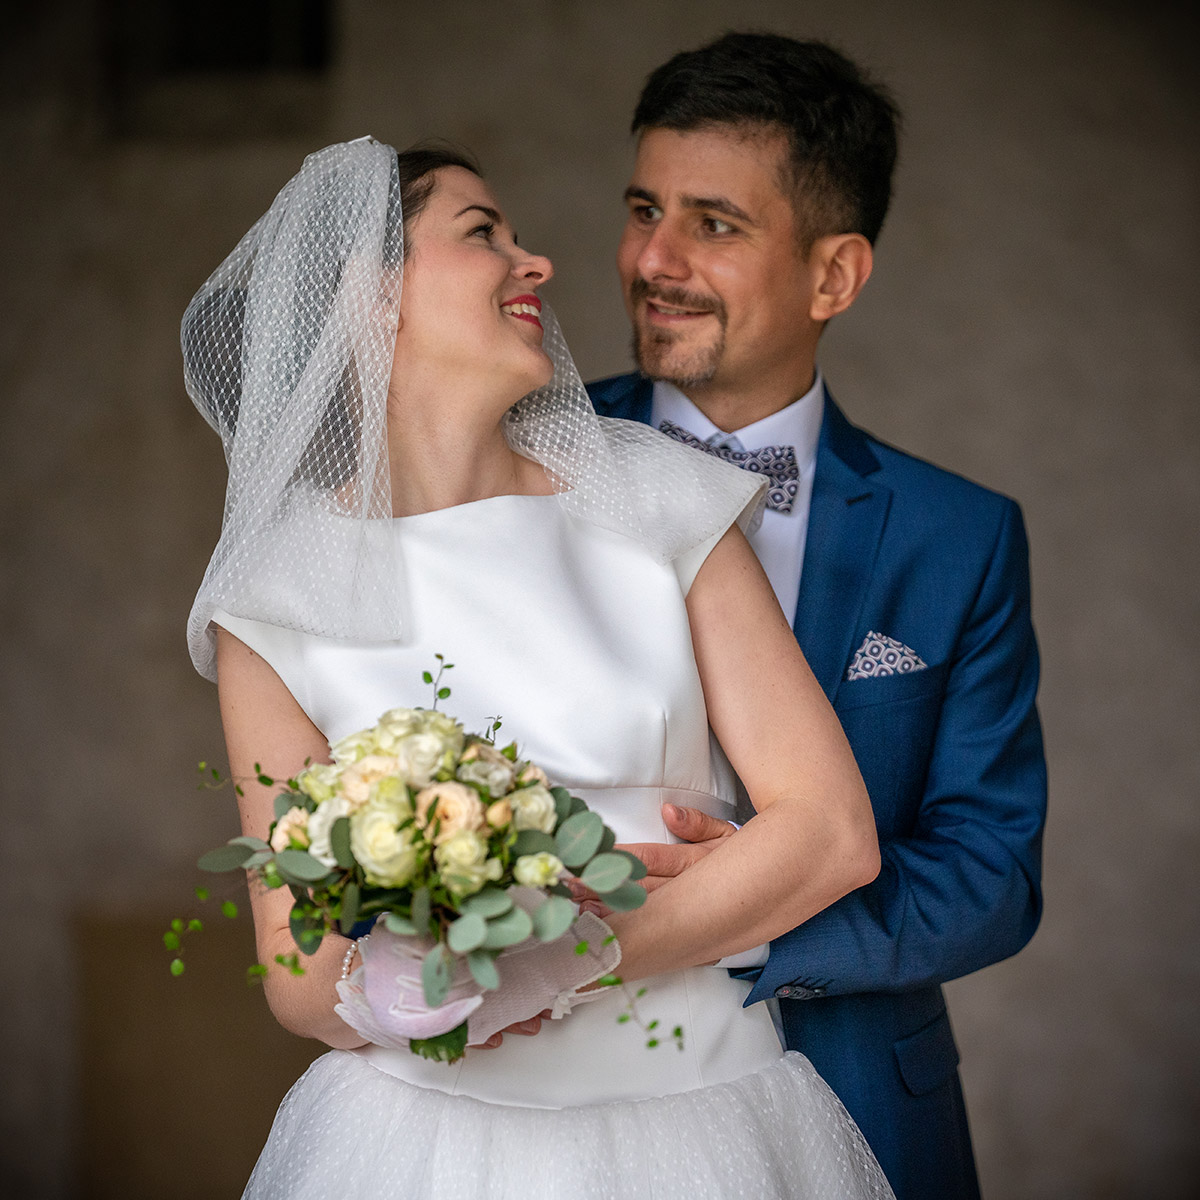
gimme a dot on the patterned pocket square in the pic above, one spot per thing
(879, 656)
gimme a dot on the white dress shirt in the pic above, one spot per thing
(779, 540)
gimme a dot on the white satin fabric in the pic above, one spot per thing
(579, 641)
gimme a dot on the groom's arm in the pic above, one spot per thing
(963, 889)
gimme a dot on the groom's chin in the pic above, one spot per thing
(662, 357)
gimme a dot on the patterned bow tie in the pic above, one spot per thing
(777, 463)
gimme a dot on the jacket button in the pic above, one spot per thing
(782, 993)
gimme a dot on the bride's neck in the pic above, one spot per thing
(439, 458)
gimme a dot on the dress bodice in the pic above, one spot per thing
(578, 639)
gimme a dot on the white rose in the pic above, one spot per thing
(421, 756)
(353, 747)
(455, 807)
(395, 724)
(486, 766)
(320, 825)
(464, 863)
(538, 870)
(441, 726)
(533, 808)
(384, 851)
(319, 781)
(291, 828)
(357, 778)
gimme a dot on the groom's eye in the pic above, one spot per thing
(717, 225)
(647, 212)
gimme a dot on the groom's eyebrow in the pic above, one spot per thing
(716, 204)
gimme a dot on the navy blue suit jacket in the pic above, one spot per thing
(952, 758)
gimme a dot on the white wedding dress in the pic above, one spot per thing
(579, 641)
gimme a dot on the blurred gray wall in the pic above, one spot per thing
(1031, 323)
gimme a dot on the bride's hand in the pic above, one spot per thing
(700, 833)
(524, 1028)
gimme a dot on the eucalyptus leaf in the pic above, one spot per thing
(562, 803)
(436, 974)
(246, 840)
(534, 841)
(258, 858)
(284, 802)
(578, 838)
(225, 858)
(305, 933)
(299, 864)
(398, 924)
(483, 969)
(507, 930)
(627, 896)
(419, 913)
(639, 867)
(578, 806)
(606, 872)
(607, 841)
(339, 843)
(350, 900)
(467, 933)
(552, 918)
(491, 902)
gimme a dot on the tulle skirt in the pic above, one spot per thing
(348, 1130)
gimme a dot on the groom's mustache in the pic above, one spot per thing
(675, 297)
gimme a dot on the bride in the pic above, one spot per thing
(414, 469)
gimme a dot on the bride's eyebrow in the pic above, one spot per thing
(491, 213)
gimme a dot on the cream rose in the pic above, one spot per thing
(454, 806)
(531, 773)
(499, 814)
(486, 766)
(384, 851)
(291, 830)
(538, 870)
(357, 778)
(464, 863)
(533, 808)
(421, 756)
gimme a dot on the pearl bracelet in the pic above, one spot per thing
(348, 958)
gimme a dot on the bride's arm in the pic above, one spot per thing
(263, 723)
(812, 839)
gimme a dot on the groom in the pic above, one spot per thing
(763, 175)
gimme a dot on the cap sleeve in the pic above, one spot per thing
(278, 647)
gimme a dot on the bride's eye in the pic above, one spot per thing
(487, 230)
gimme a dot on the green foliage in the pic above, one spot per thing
(578, 838)
(483, 969)
(606, 872)
(177, 967)
(609, 981)
(202, 893)
(446, 1047)
(420, 911)
(229, 909)
(436, 974)
(552, 918)
(395, 923)
(534, 841)
(508, 929)
(628, 896)
(467, 933)
(230, 857)
(350, 900)
(284, 802)
(298, 866)
(562, 803)
(490, 902)
(171, 940)
(637, 867)
(255, 974)
(339, 843)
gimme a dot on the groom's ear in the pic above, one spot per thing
(841, 265)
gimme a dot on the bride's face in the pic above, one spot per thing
(468, 305)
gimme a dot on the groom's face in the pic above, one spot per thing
(715, 282)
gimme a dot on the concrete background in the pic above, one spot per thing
(1032, 324)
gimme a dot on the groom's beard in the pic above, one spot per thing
(685, 358)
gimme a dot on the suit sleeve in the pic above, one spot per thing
(963, 889)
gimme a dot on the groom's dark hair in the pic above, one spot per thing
(841, 126)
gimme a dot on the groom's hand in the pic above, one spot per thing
(700, 833)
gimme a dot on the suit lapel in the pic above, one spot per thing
(845, 527)
(627, 396)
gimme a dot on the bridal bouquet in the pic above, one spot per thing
(454, 845)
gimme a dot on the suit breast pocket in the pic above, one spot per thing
(891, 723)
